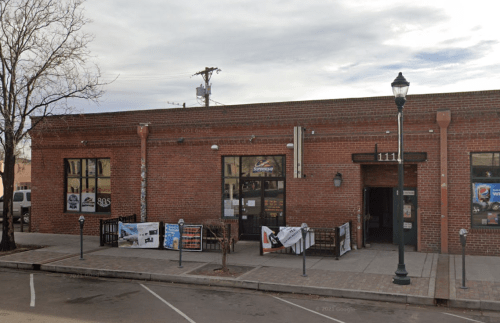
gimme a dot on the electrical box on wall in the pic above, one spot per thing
(298, 142)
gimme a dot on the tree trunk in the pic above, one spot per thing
(224, 246)
(8, 242)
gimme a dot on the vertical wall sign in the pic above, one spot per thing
(298, 142)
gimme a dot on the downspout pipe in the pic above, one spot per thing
(443, 119)
(143, 132)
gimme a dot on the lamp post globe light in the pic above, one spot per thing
(400, 89)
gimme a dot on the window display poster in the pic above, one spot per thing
(493, 218)
(407, 210)
(88, 202)
(139, 235)
(73, 202)
(345, 238)
(191, 237)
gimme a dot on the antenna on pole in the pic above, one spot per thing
(207, 90)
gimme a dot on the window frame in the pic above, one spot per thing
(96, 177)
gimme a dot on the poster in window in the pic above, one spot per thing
(492, 219)
(91, 167)
(407, 211)
(73, 202)
(88, 202)
(103, 203)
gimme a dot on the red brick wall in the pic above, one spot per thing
(184, 179)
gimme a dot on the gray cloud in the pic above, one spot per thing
(272, 51)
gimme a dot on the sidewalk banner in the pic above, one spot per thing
(297, 248)
(345, 238)
(139, 235)
(286, 237)
(191, 237)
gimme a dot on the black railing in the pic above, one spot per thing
(213, 234)
(108, 229)
(326, 242)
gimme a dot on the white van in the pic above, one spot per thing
(22, 202)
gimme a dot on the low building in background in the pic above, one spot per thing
(274, 164)
(22, 176)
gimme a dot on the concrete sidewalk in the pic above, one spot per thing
(360, 274)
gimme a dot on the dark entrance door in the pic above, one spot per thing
(378, 215)
(263, 204)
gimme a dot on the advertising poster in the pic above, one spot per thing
(139, 235)
(286, 237)
(493, 218)
(486, 194)
(88, 202)
(191, 237)
(73, 202)
(345, 238)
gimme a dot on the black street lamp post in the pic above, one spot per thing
(400, 89)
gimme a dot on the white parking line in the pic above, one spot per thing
(465, 318)
(32, 287)
(171, 306)
(328, 317)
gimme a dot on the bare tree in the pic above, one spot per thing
(44, 64)
(219, 231)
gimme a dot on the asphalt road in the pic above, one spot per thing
(46, 297)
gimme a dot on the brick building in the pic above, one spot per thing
(234, 162)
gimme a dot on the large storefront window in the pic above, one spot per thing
(485, 178)
(88, 185)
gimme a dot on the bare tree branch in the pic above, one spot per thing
(45, 61)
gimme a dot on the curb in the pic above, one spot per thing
(255, 285)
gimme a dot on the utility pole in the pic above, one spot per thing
(206, 74)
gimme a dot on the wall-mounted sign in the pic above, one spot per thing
(383, 157)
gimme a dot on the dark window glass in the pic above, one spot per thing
(18, 197)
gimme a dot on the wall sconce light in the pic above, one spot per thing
(214, 147)
(387, 131)
(84, 142)
(289, 146)
(252, 138)
(337, 180)
(180, 140)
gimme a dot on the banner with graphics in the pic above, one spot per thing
(191, 237)
(345, 238)
(286, 237)
(139, 235)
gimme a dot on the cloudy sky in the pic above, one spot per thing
(272, 51)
